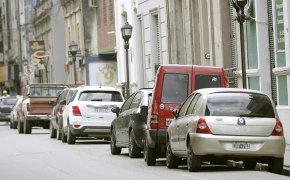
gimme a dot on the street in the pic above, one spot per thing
(36, 156)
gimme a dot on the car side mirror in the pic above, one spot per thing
(175, 113)
(51, 103)
(116, 110)
(62, 102)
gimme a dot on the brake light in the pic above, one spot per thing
(202, 127)
(76, 111)
(153, 121)
(278, 129)
(61, 110)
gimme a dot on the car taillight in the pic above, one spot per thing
(202, 127)
(153, 121)
(76, 111)
(278, 129)
(61, 110)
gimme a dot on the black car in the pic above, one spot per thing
(6, 105)
(128, 129)
(56, 114)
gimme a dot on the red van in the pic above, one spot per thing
(173, 84)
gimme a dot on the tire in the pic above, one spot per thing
(20, 127)
(63, 137)
(58, 131)
(14, 125)
(249, 164)
(149, 154)
(193, 161)
(134, 150)
(27, 127)
(52, 131)
(171, 159)
(11, 126)
(71, 138)
(276, 165)
(114, 149)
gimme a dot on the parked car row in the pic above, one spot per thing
(188, 115)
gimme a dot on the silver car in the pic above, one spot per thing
(219, 124)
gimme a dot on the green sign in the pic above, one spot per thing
(280, 26)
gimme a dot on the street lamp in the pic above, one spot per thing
(126, 33)
(239, 5)
(73, 50)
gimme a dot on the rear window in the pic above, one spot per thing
(101, 96)
(175, 88)
(9, 101)
(239, 104)
(45, 91)
(207, 81)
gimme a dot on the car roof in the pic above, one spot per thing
(221, 90)
(148, 90)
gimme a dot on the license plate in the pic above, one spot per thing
(241, 146)
(101, 110)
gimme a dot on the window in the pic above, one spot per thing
(175, 88)
(45, 91)
(192, 104)
(137, 100)
(100, 96)
(254, 83)
(185, 106)
(127, 103)
(207, 81)
(239, 105)
(282, 90)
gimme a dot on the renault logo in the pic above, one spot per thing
(241, 121)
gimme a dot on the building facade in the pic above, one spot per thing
(49, 29)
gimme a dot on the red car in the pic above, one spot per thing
(173, 84)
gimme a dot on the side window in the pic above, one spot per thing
(127, 103)
(196, 109)
(185, 106)
(192, 105)
(137, 100)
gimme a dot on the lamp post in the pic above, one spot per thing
(239, 5)
(126, 33)
(73, 50)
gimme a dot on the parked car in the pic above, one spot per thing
(89, 113)
(6, 105)
(173, 84)
(56, 114)
(226, 123)
(128, 128)
(14, 113)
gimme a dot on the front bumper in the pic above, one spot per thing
(208, 144)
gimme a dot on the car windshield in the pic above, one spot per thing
(239, 104)
(101, 96)
(175, 88)
(9, 101)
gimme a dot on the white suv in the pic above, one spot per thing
(89, 113)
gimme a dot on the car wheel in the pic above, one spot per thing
(249, 164)
(58, 131)
(14, 125)
(71, 138)
(20, 127)
(171, 159)
(52, 131)
(134, 150)
(193, 161)
(114, 149)
(63, 137)
(11, 124)
(27, 127)
(276, 165)
(149, 155)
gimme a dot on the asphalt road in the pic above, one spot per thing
(37, 157)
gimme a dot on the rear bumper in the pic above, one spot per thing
(38, 117)
(5, 117)
(93, 130)
(208, 144)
